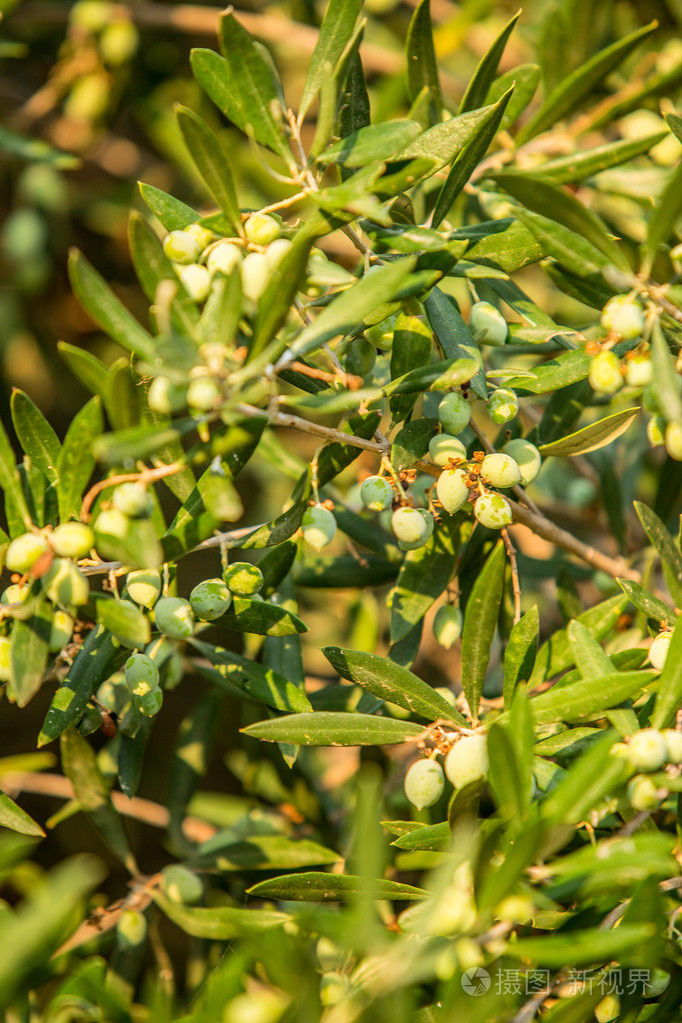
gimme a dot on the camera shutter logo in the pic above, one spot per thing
(476, 981)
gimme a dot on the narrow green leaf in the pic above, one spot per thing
(266, 852)
(519, 657)
(583, 948)
(556, 204)
(567, 368)
(480, 622)
(525, 78)
(556, 655)
(256, 680)
(336, 31)
(505, 779)
(9, 479)
(667, 212)
(572, 91)
(16, 819)
(334, 729)
(438, 376)
(95, 662)
(76, 463)
(240, 84)
(261, 618)
(153, 268)
(108, 312)
(35, 150)
(353, 305)
(222, 923)
(454, 335)
(580, 699)
(590, 659)
(666, 385)
(441, 143)
(279, 294)
(483, 76)
(412, 443)
(469, 158)
(315, 886)
(212, 163)
(30, 651)
(669, 695)
(667, 548)
(592, 437)
(423, 577)
(506, 245)
(389, 681)
(422, 66)
(80, 767)
(353, 100)
(35, 434)
(432, 838)
(374, 142)
(579, 166)
(171, 213)
(571, 250)
(190, 759)
(645, 602)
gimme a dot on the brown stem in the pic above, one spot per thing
(146, 476)
(516, 586)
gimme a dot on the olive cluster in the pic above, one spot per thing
(465, 762)
(646, 752)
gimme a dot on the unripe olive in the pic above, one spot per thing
(276, 251)
(526, 456)
(89, 97)
(657, 983)
(650, 400)
(447, 625)
(203, 394)
(118, 42)
(467, 761)
(255, 275)
(202, 235)
(655, 431)
(211, 598)
(376, 493)
(72, 540)
(380, 336)
(61, 631)
(165, 396)
(244, 579)
(413, 545)
(360, 357)
(673, 440)
(132, 499)
(334, 987)
(658, 651)
(452, 491)
(485, 316)
(91, 15)
(318, 526)
(607, 1009)
(493, 511)
(66, 585)
(647, 750)
(5, 658)
(639, 371)
(447, 694)
(642, 793)
(605, 376)
(673, 743)
(500, 470)
(623, 315)
(261, 229)
(112, 522)
(150, 703)
(24, 551)
(131, 929)
(182, 885)
(15, 593)
(181, 247)
(196, 280)
(424, 782)
(503, 405)
(143, 586)
(174, 617)
(443, 448)
(408, 525)
(454, 412)
(141, 674)
(223, 257)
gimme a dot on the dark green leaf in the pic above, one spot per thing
(374, 142)
(266, 852)
(422, 66)
(222, 923)
(567, 368)
(171, 213)
(669, 695)
(315, 886)
(441, 143)
(579, 166)
(525, 79)
(423, 577)
(104, 307)
(277, 298)
(29, 653)
(190, 759)
(504, 244)
(666, 547)
(390, 682)
(35, 434)
(667, 212)
(256, 680)
(646, 602)
(334, 729)
(572, 91)
(582, 948)
(153, 268)
(75, 463)
(483, 76)
(519, 657)
(592, 437)
(439, 376)
(212, 163)
(9, 480)
(411, 443)
(91, 372)
(454, 335)
(335, 33)
(124, 621)
(480, 622)
(580, 699)
(261, 618)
